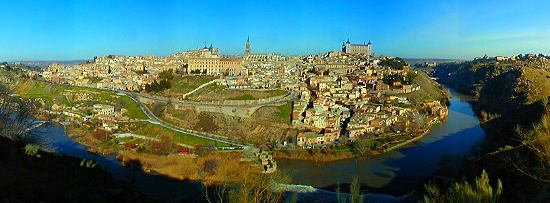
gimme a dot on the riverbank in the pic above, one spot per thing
(210, 167)
(404, 168)
(342, 153)
(319, 155)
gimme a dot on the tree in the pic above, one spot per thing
(167, 74)
(164, 146)
(16, 117)
(478, 192)
(394, 63)
(257, 187)
(158, 109)
(362, 147)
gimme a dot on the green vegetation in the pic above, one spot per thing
(394, 63)
(52, 93)
(403, 79)
(32, 149)
(133, 109)
(429, 89)
(284, 111)
(214, 92)
(158, 86)
(478, 192)
(157, 131)
(88, 163)
(166, 78)
(94, 79)
(243, 97)
(355, 194)
(183, 84)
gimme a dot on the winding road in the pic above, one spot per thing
(155, 120)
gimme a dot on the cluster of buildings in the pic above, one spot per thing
(106, 115)
(128, 73)
(133, 73)
(337, 102)
(522, 57)
(341, 93)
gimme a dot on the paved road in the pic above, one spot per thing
(123, 135)
(199, 87)
(155, 120)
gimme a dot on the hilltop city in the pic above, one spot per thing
(325, 100)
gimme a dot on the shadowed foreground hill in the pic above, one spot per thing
(52, 178)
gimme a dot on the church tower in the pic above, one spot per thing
(247, 49)
(369, 49)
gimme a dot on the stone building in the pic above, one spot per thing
(350, 48)
(208, 61)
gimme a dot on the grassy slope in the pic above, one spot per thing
(53, 93)
(284, 112)
(217, 93)
(184, 84)
(157, 131)
(429, 90)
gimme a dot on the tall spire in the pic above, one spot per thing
(247, 48)
(348, 41)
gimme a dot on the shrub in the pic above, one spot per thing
(479, 191)
(31, 149)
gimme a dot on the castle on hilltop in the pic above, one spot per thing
(350, 48)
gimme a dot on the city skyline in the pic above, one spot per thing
(80, 30)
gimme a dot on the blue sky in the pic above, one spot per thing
(67, 30)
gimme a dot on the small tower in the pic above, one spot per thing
(247, 49)
(369, 49)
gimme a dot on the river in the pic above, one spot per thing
(155, 187)
(400, 171)
(397, 172)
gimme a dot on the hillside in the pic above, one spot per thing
(52, 178)
(511, 100)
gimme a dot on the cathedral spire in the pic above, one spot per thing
(247, 48)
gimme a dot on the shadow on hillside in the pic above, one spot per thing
(48, 177)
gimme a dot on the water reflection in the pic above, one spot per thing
(399, 171)
(153, 186)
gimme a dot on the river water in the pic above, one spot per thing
(397, 172)
(400, 171)
(155, 187)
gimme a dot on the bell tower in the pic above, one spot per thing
(247, 49)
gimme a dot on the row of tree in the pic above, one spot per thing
(166, 78)
(394, 63)
(158, 86)
(403, 79)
